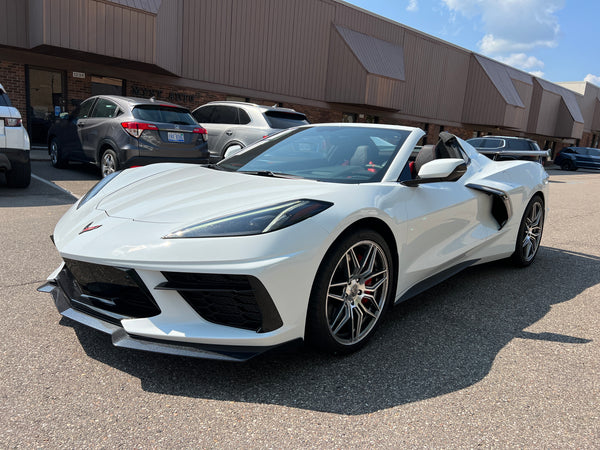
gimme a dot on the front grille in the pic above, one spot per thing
(239, 301)
(94, 288)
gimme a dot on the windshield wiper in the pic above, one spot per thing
(268, 173)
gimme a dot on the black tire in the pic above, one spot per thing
(19, 176)
(345, 292)
(568, 165)
(109, 162)
(530, 233)
(57, 156)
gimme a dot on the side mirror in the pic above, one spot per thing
(446, 169)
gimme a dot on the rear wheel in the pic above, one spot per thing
(57, 157)
(530, 233)
(109, 162)
(19, 176)
(351, 292)
(568, 165)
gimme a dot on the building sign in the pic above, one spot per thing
(78, 75)
(171, 96)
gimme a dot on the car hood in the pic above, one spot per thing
(191, 194)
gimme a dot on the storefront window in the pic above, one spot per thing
(46, 101)
(106, 86)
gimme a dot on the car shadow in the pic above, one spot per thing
(38, 193)
(439, 342)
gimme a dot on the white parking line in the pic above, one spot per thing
(49, 183)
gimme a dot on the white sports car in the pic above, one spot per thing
(310, 234)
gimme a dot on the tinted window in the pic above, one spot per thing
(104, 108)
(475, 142)
(4, 100)
(519, 144)
(325, 153)
(492, 143)
(224, 114)
(203, 114)
(594, 152)
(84, 109)
(163, 114)
(244, 117)
(283, 119)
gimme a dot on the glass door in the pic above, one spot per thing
(46, 100)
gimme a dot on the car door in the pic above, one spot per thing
(594, 158)
(71, 130)
(444, 222)
(96, 127)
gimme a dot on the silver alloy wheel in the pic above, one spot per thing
(109, 165)
(533, 231)
(54, 152)
(357, 292)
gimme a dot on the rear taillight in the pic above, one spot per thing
(12, 122)
(137, 128)
(201, 131)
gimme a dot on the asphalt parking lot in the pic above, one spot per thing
(493, 357)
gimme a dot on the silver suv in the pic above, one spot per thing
(234, 125)
(503, 148)
(14, 145)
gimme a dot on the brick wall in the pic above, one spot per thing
(12, 77)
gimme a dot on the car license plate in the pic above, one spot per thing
(175, 137)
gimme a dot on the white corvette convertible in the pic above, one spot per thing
(311, 234)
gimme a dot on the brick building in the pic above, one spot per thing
(326, 58)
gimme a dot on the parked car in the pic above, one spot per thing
(311, 234)
(15, 161)
(495, 147)
(234, 125)
(116, 132)
(572, 158)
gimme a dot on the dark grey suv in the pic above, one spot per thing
(116, 132)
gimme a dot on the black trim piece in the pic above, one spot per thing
(501, 205)
(434, 280)
(118, 291)
(120, 338)
(239, 301)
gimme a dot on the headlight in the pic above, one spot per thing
(256, 221)
(97, 188)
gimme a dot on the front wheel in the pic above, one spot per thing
(568, 165)
(351, 292)
(109, 162)
(530, 233)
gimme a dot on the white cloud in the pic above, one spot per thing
(512, 25)
(413, 6)
(595, 79)
(522, 61)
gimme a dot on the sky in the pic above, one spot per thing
(556, 40)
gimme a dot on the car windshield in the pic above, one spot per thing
(164, 114)
(339, 154)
